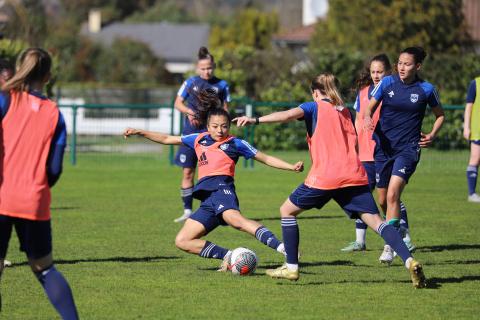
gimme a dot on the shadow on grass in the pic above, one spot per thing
(64, 208)
(435, 283)
(448, 247)
(306, 217)
(112, 259)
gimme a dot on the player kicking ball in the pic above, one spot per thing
(217, 154)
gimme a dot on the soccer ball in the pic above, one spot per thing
(243, 261)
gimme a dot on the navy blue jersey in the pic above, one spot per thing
(233, 148)
(402, 113)
(59, 140)
(189, 90)
(472, 92)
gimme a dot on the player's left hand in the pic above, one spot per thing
(298, 167)
(426, 140)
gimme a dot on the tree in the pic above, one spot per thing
(250, 27)
(391, 25)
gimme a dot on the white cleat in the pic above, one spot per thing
(387, 255)
(7, 263)
(186, 214)
(474, 198)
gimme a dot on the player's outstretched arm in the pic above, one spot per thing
(281, 116)
(278, 163)
(153, 136)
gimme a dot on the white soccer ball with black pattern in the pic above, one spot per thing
(243, 262)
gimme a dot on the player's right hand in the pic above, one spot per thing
(368, 123)
(130, 132)
(466, 133)
(243, 121)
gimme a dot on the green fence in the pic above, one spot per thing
(101, 125)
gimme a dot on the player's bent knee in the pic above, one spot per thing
(182, 243)
(38, 265)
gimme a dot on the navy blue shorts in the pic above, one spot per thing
(402, 165)
(477, 142)
(210, 212)
(371, 173)
(353, 200)
(35, 237)
(186, 157)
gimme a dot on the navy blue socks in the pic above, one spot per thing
(58, 292)
(266, 237)
(187, 197)
(212, 251)
(291, 239)
(394, 240)
(472, 173)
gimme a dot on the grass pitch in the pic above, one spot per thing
(114, 241)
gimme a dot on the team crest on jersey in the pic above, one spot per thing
(414, 97)
(224, 146)
(215, 89)
(195, 88)
(391, 94)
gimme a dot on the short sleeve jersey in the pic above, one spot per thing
(402, 113)
(234, 148)
(472, 92)
(189, 89)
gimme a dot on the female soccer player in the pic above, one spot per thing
(186, 102)
(378, 67)
(471, 132)
(217, 154)
(33, 142)
(336, 173)
(398, 135)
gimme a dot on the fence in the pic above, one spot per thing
(98, 127)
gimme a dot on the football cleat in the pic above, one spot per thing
(225, 266)
(186, 214)
(387, 255)
(283, 273)
(474, 198)
(416, 274)
(7, 263)
(354, 246)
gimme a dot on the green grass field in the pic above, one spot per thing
(114, 242)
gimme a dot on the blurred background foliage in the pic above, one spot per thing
(241, 42)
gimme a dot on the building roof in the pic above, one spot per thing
(172, 42)
(301, 35)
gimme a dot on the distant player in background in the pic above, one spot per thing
(336, 173)
(378, 67)
(6, 72)
(398, 134)
(217, 153)
(471, 132)
(32, 147)
(187, 102)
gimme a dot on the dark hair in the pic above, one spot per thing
(6, 65)
(365, 79)
(207, 100)
(219, 112)
(33, 65)
(203, 54)
(418, 53)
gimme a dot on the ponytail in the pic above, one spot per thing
(33, 65)
(203, 53)
(327, 84)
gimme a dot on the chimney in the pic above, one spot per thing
(94, 20)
